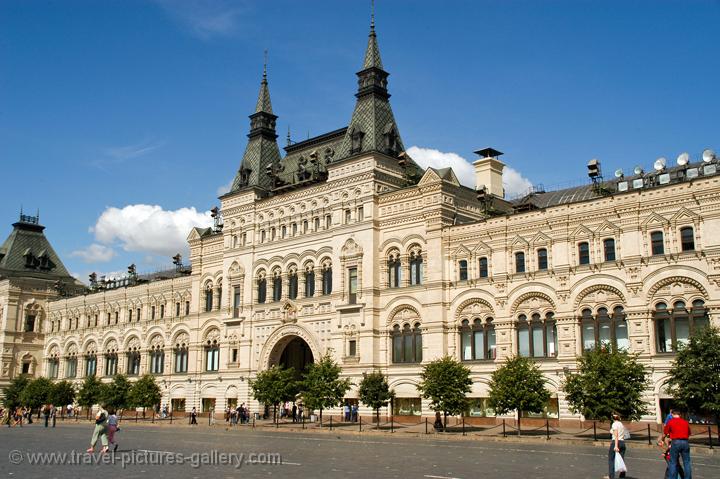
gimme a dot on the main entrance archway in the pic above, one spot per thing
(294, 354)
(291, 345)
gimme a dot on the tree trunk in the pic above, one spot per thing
(275, 413)
(518, 424)
(445, 420)
(377, 413)
(321, 417)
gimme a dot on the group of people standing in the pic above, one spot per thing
(239, 414)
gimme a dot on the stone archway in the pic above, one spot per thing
(292, 352)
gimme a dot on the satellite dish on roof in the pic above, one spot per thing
(659, 164)
(638, 170)
(708, 156)
(683, 159)
(619, 173)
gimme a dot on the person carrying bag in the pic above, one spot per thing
(616, 453)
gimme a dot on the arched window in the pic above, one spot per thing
(407, 343)
(483, 267)
(181, 358)
(262, 289)
(71, 365)
(90, 364)
(542, 259)
(687, 239)
(292, 284)
(657, 245)
(394, 269)
(53, 366)
(416, 267)
(133, 362)
(462, 270)
(519, 262)
(208, 297)
(111, 361)
(157, 360)
(477, 339)
(212, 355)
(583, 253)
(604, 329)
(327, 279)
(673, 327)
(277, 286)
(309, 282)
(537, 337)
(609, 249)
(283, 231)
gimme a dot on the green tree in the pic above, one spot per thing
(36, 393)
(144, 393)
(116, 394)
(273, 386)
(322, 386)
(62, 394)
(13, 392)
(89, 393)
(607, 381)
(446, 383)
(518, 385)
(375, 392)
(695, 374)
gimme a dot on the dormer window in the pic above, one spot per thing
(390, 140)
(356, 139)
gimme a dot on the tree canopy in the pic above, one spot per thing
(62, 394)
(375, 392)
(116, 394)
(144, 393)
(446, 383)
(12, 392)
(607, 381)
(36, 393)
(518, 385)
(694, 379)
(274, 385)
(90, 392)
(322, 386)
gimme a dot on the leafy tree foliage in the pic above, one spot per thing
(274, 385)
(36, 393)
(518, 385)
(90, 392)
(144, 393)
(12, 393)
(322, 387)
(607, 381)
(446, 383)
(116, 395)
(62, 394)
(375, 391)
(695, 374)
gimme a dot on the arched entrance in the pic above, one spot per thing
(292, 352)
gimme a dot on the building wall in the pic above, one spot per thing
(437, 220)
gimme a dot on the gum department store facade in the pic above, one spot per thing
(346, 246)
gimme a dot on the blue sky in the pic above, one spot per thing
(121, 120)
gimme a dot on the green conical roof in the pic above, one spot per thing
(372, 53)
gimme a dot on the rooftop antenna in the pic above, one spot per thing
(683, 159)
(372, 15)
(659, 164)
(289, 141)
(708, 156)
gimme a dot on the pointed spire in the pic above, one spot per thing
(372, 54)
(263, 102)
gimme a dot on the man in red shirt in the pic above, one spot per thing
(678, 430)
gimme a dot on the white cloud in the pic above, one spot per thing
(95, 253)
(149, 228)
(513, 181)
(206, 18)
(127, 152)
(222, 189)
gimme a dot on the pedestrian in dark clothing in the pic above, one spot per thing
(193, 417)
(46, 413)
(294, 412)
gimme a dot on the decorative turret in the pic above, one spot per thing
(372, 127)
(262, 155)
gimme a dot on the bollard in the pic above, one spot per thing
(463, 425)
(209, 418)
(303, 421)
(426, 421)
(547, 429)
(649, 438)
(331, 422)
(710, 441)
(253, 421)
(594, 431)
(504, 428)
(136, 416)
(360, 421)
(392, 423)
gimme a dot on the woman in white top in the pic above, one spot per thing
(617, 445)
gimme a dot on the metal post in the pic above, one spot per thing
(303, 420)
(710, 437)
(331, 422)
(152, 418)
(594, 431)
(504, 428)
(392, 423)
(253, 421)
(649, 438)
(547, 429)
(426, 421)
(136, 416)
(463, 424)
(171, 415)
(360, 421)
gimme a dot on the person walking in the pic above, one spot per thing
(294, 412)
(678, 430)
(46, 413)
(354, 413)
(100, 431)
(193, 417)
(617, 445)
(53, 414)
(112, 428)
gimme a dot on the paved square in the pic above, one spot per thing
(182, 452)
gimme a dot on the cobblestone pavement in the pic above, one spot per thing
(183, 452)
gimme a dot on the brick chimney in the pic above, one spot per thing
(488, 172)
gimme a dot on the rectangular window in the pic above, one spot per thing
(262, 236)
(519, 262)
(609, 247)
(139, 310)
(466, 338)
(29, 323)
(542, 259)
(234, 355)
(162, 311)
(152, 312)
(71, 368)
(656, 243)
(305, 226)
(538, 341)
(583, 253)
(353, 284)
(212, 359)
(25, 368)
(244, 239)
(208, 300)
(130, 315)
(348, 216)
(283, 231)
(484, 273)
(316, 224)
(352, 348)
(687, 239)
(524, 342)
(462, 270)
(294, 229)
(181, 360)
(117, 317)
(360, 213)
(236, 302)
(328, 221)
(177, 309)
(479, 344)
(406, 407)
(187, 308)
